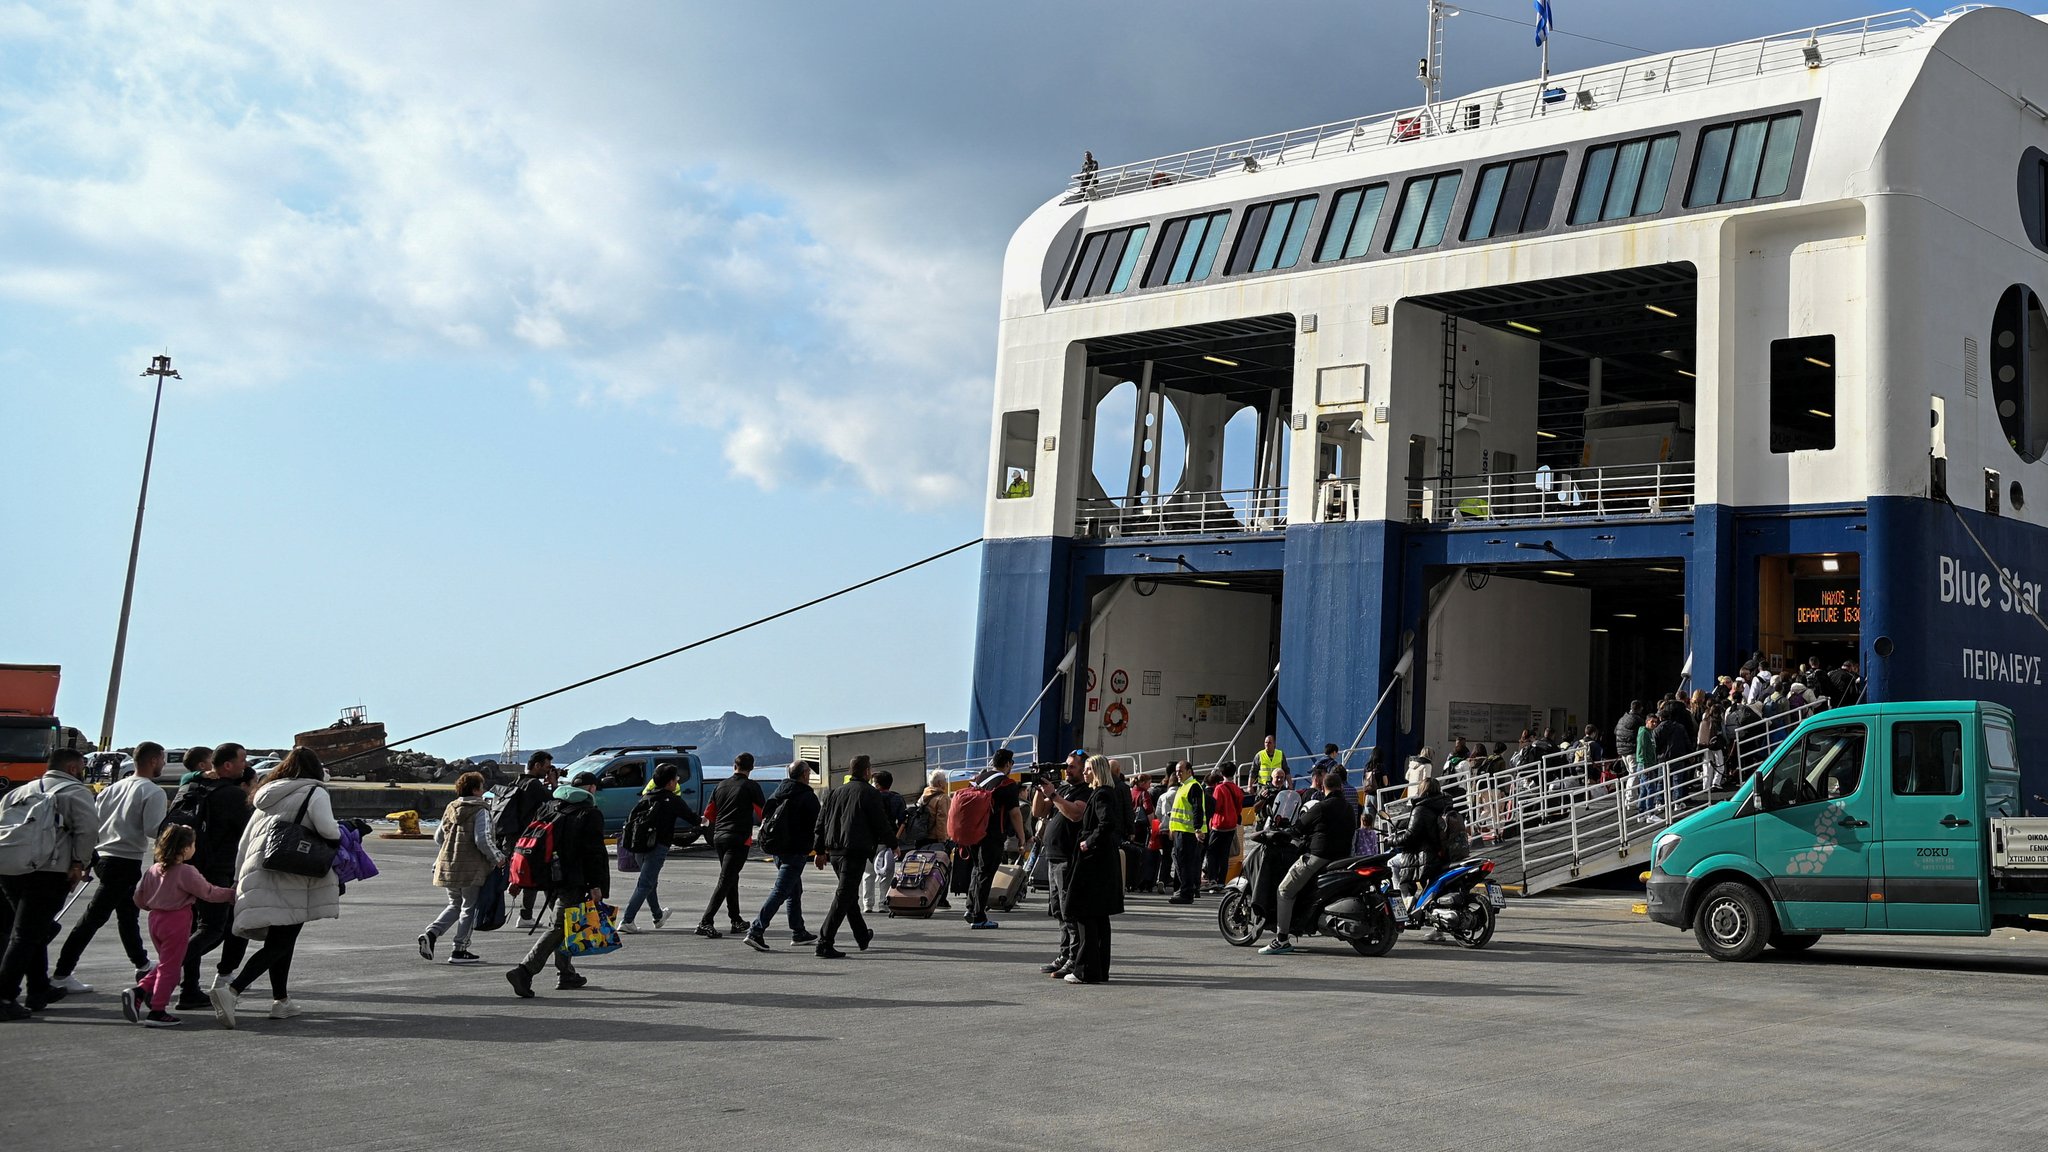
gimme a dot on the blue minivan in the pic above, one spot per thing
(622, 775)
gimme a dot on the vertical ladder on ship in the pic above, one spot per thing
(1448, 435)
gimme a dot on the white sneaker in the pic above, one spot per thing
(631, 928)
(661, 921)
(283, 1009)
(220, 980)
(223, 998)
(525, 921)
(71, 984)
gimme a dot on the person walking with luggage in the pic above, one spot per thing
(1189, 823)
(47, 830)
(981, 816)
(1059, 841)
(130, 812)
(272, 905)
(467, 854)
(1094, 883)
(853, 824)
(652, 824)
(875, 886)
(533, 791)
(217, 807)
(1226, 811)
(167, 891)
(576, 869)
(937, 801)
(789, 829)
(735, 805)
(1327, 830)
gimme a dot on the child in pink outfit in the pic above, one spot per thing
(167, 891)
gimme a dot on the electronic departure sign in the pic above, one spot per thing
(1827, 607)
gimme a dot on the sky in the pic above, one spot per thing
(520, 341)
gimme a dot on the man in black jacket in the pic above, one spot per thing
(853, 825)
(585, 873)
(789, 826)
(1327, 829)
(534, 789)
(735, 804)
(220, 809)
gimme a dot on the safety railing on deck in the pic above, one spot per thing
(1616, 491)
(1249, 510)
(970, 755)
(1564, 95)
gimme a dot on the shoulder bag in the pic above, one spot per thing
(292, 848)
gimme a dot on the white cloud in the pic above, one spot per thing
(279, 188)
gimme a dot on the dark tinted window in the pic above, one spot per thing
(1514, 197)
(1803, 394)
(1826, 764)
(1187, 249)
(1105, 262)
(1272, 235)
(1425, 212)
(2033, 188)
(624, 774)
(1927, 758)
(1625, 179)
(1354, 216)
(1747, 160)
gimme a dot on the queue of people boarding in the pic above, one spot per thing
(194, 876)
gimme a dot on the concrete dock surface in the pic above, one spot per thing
(1580, 1027)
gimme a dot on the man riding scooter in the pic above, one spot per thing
(1419, 850)
(1327, 827)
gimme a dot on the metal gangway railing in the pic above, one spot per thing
(1245, 510)
(1517, 103)
(967, 756)
(1619, 491)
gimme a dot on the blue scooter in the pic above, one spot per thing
(1462, 903)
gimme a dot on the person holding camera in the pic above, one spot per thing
(1059, 838)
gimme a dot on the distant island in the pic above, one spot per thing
(717, 741)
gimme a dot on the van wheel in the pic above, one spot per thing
(1733, 922)
(1784, 942)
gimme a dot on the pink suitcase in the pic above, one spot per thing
(920, 883)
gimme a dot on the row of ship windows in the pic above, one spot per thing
(1742, 161)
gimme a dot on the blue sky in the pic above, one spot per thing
(523, 340)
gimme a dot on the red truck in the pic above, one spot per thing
(29, 730)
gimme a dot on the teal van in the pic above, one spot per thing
(1881, 818)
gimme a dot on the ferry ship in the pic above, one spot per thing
(1500, 411)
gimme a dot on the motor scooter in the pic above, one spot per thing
(1463, 901)
(1347, 901)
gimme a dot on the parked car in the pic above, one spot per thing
(623, 773)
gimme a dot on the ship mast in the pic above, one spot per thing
(1430, 69)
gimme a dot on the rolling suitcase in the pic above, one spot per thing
(920, 883)
(1007, 890)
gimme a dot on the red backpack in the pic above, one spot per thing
(533, 857)
(968, 817)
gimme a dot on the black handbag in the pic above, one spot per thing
(292, 848)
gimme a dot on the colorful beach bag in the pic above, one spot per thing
(590, 929)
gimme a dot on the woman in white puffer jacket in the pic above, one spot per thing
(272, 906)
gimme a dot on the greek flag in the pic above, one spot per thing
(1544, 21)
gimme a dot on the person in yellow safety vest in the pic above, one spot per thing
(1270, 759)
(1188, 820)
(1020, 485)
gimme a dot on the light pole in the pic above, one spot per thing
(159, 367)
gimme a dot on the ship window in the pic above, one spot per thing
(1353, 218)
(1018, 455)
(1625, 179)
(1187, 249)
(1803, 394)
(1514, 197)
(1425, 212)
(1750, 160)
(1105, 262)
(2034, 196)
(2019, 371)
(1272, 235)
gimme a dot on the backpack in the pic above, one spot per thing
(917, 825)
(1457, 839)
(968, 818)
(536, 862)
(638, 834)
(770, 834)
(512, 810)
(192, 813)
(30, 826)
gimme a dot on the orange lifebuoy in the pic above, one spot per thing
(1116, 718)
